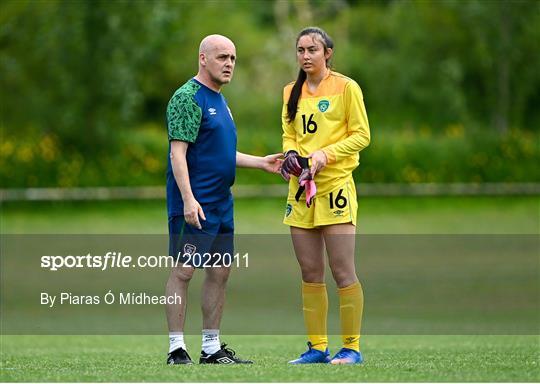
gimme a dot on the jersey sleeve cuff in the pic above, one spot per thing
(172, 138)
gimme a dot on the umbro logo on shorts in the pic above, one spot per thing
(212, 111)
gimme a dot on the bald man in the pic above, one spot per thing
(201, 170)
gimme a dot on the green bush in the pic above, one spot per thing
(455, 156)
(408, 156)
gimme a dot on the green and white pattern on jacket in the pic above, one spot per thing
(184, 114)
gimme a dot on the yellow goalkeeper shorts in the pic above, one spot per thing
(337, 207)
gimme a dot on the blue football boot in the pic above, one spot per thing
(347, 356)
(312, 356)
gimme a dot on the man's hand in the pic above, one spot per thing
(318, 161)
(290, 165)
(272, 163)
(192, 211)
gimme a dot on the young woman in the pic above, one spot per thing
(325, 126)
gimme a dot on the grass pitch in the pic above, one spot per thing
(405, 215)
(387, 358)
(436, 358)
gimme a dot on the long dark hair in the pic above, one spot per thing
(296, 92)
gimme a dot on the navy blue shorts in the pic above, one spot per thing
(211, 246)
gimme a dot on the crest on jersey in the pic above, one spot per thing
(323, 105)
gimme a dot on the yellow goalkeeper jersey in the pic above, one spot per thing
(332, 119)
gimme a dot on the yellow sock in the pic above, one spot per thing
(351, 305)
(315, 306)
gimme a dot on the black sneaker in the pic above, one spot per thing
(223, 356)
(179, 356)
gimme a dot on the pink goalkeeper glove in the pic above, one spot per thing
(306, 183)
